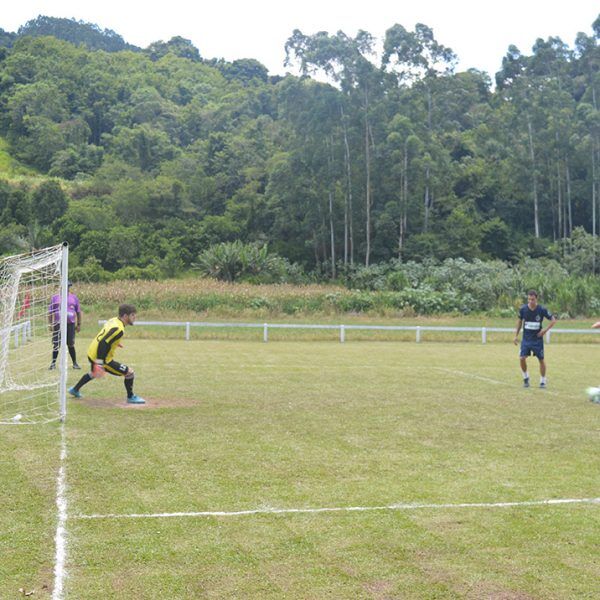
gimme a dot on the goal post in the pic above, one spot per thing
(33, 297)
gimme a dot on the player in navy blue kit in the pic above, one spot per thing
(531, 317)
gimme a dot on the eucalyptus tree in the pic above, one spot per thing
(311, 109)
(418, 59)
(346, 61)
(587, 50)
(549, 69)
(402, 145)
(516, 88)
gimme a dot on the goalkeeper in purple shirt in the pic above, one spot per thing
(73, 325)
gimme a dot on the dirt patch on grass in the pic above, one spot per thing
(151, 403)
(380, 589)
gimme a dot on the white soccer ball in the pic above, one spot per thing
(17, 418)
(594, 394)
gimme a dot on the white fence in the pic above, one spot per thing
(21, 332)
(418, 329)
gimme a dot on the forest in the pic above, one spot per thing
(154, 161)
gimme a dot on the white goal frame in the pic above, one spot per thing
(30, 393)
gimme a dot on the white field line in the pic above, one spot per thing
(61, 527)
(471, 376)
(486, 379)
(389, 507)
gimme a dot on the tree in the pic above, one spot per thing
(49, 202)
(417, 57)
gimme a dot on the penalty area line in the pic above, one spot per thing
(338, 509)
(486, 379)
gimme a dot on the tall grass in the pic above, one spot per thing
(567, 296)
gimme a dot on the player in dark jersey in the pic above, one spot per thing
(531, 317)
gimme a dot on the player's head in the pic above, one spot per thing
(532, 296)
(127, 313)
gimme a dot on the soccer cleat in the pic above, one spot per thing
(526, 382)
(542, 385)
(76, 366)
(73, 392)
(52, 367)
(135, 399)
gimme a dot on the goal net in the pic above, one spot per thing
(30, 392)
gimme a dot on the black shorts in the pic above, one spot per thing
(535, 347)
(56, 335)
(113, 367)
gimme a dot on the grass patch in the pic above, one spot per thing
(242, 425)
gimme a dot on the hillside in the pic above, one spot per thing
(168, 154)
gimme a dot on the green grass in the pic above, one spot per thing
(235, 425)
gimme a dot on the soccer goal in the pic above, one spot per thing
(30, 392)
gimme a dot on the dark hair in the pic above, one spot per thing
(532, 293)
(127, 309)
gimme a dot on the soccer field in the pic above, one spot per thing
(312, 470)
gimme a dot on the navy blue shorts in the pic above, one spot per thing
(535, 347)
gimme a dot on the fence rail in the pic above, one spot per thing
(21, 332)
(418, 329)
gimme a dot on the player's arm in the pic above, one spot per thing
(104, 345)
(551, 324)
(78, 313)
(111, 337)
(596, 325)
(519, 325)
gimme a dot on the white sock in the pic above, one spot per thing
(525, 374)
(542, 380)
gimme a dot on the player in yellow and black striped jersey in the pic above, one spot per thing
(102, 350)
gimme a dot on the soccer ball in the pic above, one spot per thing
(17, 418)
(594, 394)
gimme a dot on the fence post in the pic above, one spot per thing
(418, 334)
(187, 331)
(265, 333)
(483, 335)
(342, 334)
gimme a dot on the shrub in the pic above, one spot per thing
(233, 261)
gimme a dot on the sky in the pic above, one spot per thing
(478, 31)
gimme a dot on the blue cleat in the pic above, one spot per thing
(75, 393)
(135, 399)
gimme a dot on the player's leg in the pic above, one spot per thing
(71, 344)
(540, 356)
(74, 391)
(116, 368)
(523, 362)
(55, 344)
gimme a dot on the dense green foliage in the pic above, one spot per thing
(393, 289)
(161, 154)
